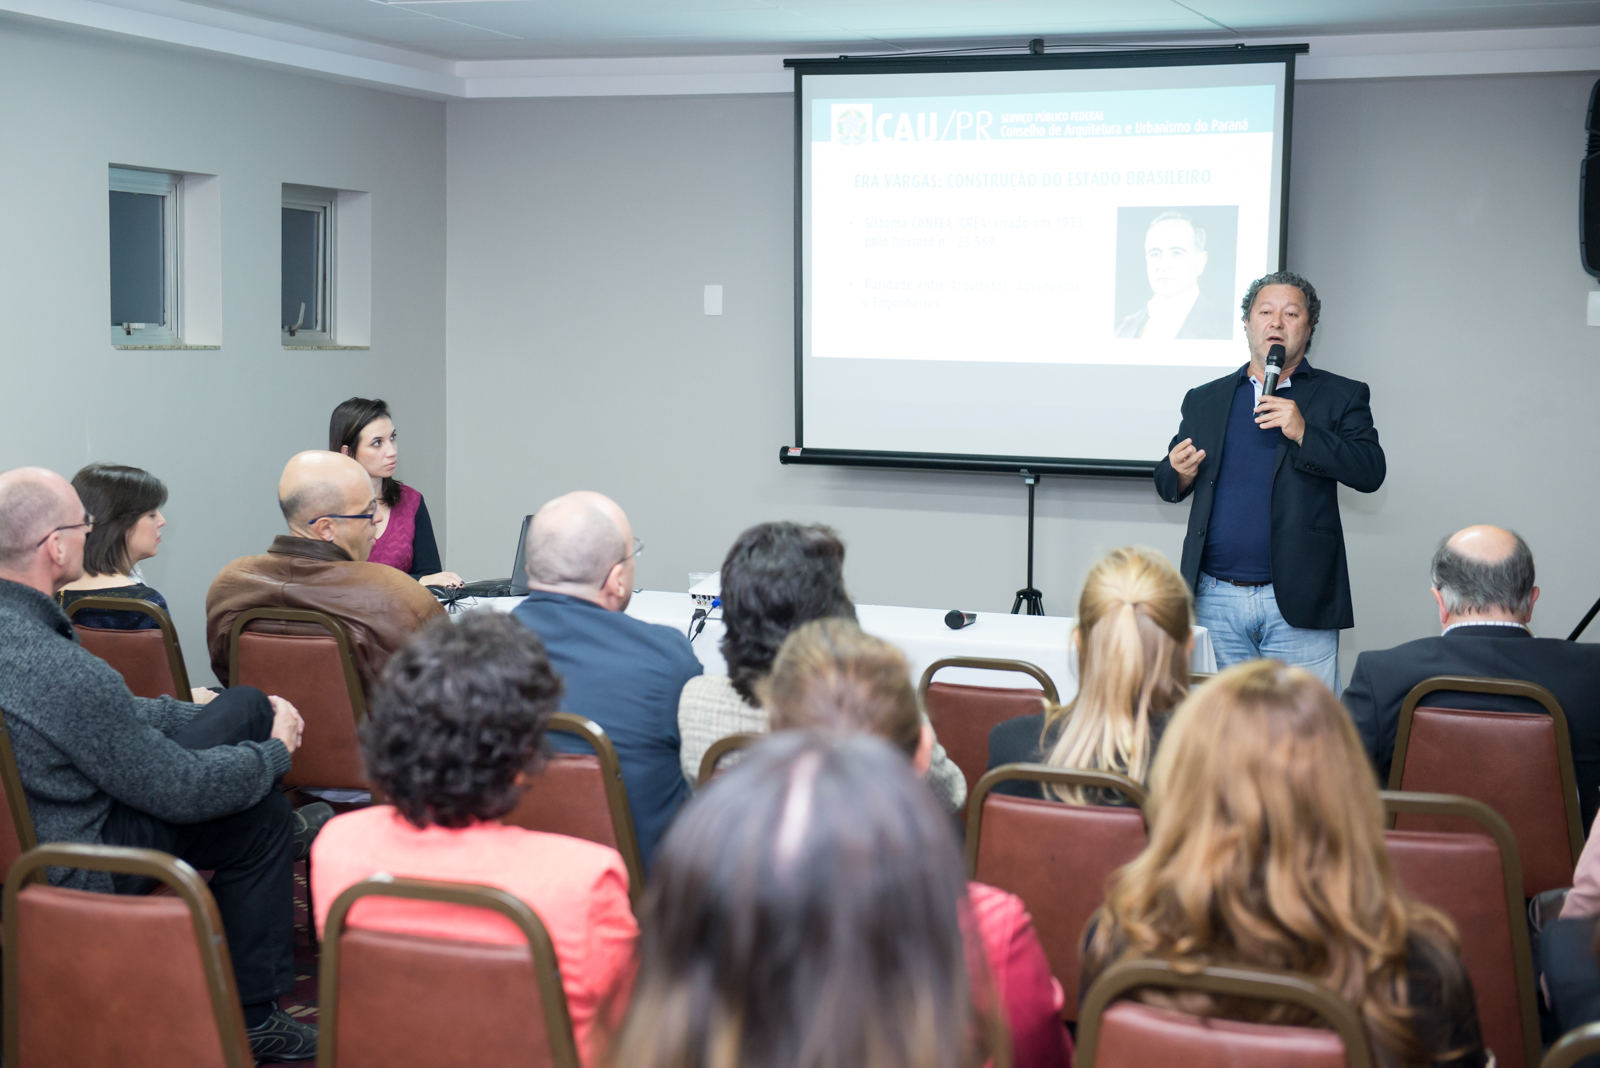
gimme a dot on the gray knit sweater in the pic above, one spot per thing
(83, 740)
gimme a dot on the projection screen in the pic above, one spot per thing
(1008, 263)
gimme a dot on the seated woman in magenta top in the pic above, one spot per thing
(363, 429)
(454, 730)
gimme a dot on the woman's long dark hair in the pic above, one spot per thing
(806, 912)
(776, 577)
(344, 432)
(117, 497)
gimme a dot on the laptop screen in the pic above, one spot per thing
(519, 565)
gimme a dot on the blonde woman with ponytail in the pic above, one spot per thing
(1133, 642)
(1266, 849)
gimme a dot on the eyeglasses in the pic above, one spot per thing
(87, 524)
(367, 517)
(638, 547)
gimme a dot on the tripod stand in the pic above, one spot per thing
(1028, 595)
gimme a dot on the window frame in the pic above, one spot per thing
(324, 201)
(169, 187)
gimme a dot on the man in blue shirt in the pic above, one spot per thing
(1264, 552)
(624, 674)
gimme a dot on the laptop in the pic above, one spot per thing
(515, 586)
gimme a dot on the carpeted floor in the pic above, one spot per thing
(301, 1003)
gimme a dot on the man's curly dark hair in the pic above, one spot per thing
(776, 577)
(459, 711)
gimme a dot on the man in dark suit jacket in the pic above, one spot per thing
(1264, 552)
(621, 672)
(1483, 583)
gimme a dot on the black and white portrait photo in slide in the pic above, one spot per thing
(1175, 273)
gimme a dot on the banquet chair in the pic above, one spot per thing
(583, 795)
(721, 748)
(1574, 1048)
(104, 979)
(1055, 856)
(17, 834)
(391, 1000)
(1517, 763)
(1128, 1034)
(149, 661)
(304, 657)
(1473, 877)
(963, 715)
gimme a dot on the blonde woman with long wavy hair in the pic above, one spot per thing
(1266, 849)
(1133, 642)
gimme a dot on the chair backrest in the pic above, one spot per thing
(721, 748)
(962, 716)
(582, 795)
(1132, 1035)
(392, 1000)
(149, 661)
(1056, 857)
(16, 822)
(1575, 1046)
(98, 979)
(1517, 763)
(304, 657)
(1473, 878)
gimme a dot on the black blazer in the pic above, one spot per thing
(1570, 670)
(1309, 574)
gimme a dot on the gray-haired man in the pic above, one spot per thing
(1483, 583)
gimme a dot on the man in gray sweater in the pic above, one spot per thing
(102, 766)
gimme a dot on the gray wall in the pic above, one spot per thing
(1436, 216)
(216, 426)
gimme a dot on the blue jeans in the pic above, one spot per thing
(1245, 625)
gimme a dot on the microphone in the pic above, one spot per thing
(1269, 380)
(955, 619)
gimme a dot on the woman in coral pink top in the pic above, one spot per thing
(454, 728)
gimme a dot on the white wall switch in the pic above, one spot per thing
(1594, 307)
(714, 302)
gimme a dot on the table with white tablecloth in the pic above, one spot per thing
(920, 633)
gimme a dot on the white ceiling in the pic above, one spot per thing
(552, 29)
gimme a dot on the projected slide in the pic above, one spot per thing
(1021, 262)
(1054, 227)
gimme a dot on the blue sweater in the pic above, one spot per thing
(1239, 536)
(626, 675)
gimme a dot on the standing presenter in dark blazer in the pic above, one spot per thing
(1264, 551)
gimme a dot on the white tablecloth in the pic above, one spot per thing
(920, 633)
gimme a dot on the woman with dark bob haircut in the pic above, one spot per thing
(454, 730)
(809, 908)
(126, 505)
(363, 430)
(776, 577)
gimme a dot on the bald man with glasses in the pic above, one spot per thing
(100, 766)
(621, 672)
(321, 564)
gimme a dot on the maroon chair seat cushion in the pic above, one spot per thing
(1507, 760)
(963, 716)
(1142, 1036)
(1460, 875)
(1057, 858)
(140, 657)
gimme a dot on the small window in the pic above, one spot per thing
(309, 228)
(146, 274)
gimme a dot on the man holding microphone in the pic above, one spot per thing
(1264, 552)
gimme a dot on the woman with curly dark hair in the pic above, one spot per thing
(777, 576)
(453, 732)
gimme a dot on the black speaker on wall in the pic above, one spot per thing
(1589, 190)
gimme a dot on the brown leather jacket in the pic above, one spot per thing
(378, 605)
